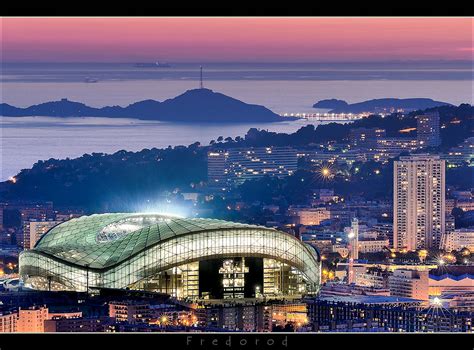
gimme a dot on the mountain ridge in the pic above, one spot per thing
(197, 105)
(379, 105)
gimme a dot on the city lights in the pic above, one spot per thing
(325, 172)
(194, 211)
(422, 254)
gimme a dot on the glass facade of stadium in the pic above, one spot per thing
(186, 258)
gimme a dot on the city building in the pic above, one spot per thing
(40, 212)
(309, 216)
(256, 317)
(458, 239)
(322, 196)
(384, 230)
(294, 313)
(373, 245)
(419, 202)
(391, 147)
(317, 233)
(75, 325)
(463, 302)
(33, 230)
(351, 289)
(371, 277)
(427, 130)
(461, 154)
(465, 205)
(130, 311)
(218, 168)
(323, 157)
(8, 322)
(450, 204)
(382, 314)
(365, 137)
(409, 283)
(187, 258)
(31, 320)
(341, 215)
(234, 166)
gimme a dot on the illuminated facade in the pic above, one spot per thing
(419, 202)
(427, 130)
(236, 165)
(187, 258)
(33, 230)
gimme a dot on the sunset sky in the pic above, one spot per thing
(235, 39)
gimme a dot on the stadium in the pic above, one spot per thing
(194, 259)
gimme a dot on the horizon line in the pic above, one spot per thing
(467, 61)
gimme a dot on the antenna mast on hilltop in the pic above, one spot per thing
(201, 85)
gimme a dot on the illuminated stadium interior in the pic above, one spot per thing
(186, 258)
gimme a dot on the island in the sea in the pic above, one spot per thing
(197, 105)
(379, 105)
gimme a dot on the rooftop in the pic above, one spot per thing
(368, 299)
(104, 240)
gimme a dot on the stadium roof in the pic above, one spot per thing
(103, 240)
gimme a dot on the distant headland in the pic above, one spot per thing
(379, 105)
(197, 105)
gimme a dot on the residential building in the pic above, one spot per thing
(31, 320)
(75, 325)
(310, 216)
(365, 137)
(461, 154)
(382, 313)
(427, 130)
(419, 202)
(8, 322)
(236, 165)
(33, 230)
(371, 277)
(391, 147)
(129, 311)
(409, 283)
(373, 245)
(458, 239)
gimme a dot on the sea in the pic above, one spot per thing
(283, 88)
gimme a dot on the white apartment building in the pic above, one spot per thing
(236, 165)
(458, 239)
(419, 202)
(409, 283)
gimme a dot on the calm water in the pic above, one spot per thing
(26, 140)
(282, 88)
